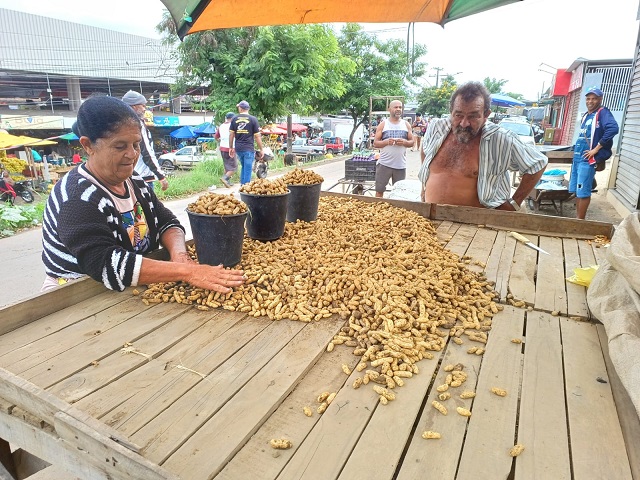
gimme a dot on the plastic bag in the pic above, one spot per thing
(583, 276)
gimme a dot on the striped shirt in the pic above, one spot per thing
(83, 232)
(501, 151)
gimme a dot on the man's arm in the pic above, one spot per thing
(410, 140)
(232, 138)
(377, 139)
(527, 183)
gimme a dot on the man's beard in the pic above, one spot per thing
(465, 135)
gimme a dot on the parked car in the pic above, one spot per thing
(301, 147)
(186, 157)
(520, 128)
(331, 144)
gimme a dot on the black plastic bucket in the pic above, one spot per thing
(267, 215)
(303, 202)
(218, 238)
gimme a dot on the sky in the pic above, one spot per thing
(508, 43)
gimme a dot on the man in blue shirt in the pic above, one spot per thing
(592, 149)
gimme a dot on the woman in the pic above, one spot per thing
(419, 127)
(7, 193)
(100, 219)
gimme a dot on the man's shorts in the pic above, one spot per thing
(230, 164)
(384, 174)
(581, 179)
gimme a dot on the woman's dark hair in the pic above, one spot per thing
(100, 115)
(469, 92)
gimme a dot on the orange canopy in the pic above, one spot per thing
(197, 15)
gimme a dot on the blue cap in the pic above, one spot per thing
(243, 105)
(230, 115)
(595, 91)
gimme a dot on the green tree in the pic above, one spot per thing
(279, 70)
(435, 100)
(494, 85)
(383, 68)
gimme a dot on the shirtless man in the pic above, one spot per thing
(466, 160)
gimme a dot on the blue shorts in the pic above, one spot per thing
(581, 180)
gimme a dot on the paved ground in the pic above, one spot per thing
(20, 255)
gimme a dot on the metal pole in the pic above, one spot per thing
(50, 93)
(109, 83)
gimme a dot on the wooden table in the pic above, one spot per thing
(207, 390)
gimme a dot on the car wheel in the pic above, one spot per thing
(168, 166)
(330, 150)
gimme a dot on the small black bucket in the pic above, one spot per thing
(303, 202)
(267, 215)
(218, 238)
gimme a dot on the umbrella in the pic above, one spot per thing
(184, 132)
(8, 141)
(295, 127)
(273, 130)
(505, 101)
(69, 136)
(205, 128)
(192, 16)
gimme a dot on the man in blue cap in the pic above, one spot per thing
(592, 149)
(244, 131)
(230, 164)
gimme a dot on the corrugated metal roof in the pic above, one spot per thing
(40, 44)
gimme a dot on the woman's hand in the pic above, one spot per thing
(215, 278)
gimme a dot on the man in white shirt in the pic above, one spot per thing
(230, 163)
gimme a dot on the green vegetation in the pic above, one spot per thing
(15, 218)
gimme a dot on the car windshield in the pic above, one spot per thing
(518, 128)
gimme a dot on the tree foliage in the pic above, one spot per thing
(276, 69)
(494, 85)
(382, 69)
(435, 100)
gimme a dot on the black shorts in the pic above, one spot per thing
(384, 174)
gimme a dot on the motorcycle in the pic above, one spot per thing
(24, 188)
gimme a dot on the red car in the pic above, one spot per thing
(332, 144)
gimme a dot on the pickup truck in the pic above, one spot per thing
(331, 144)
(186, 157)
(301, 147)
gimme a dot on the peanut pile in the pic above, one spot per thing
(262, 186)
(302, 177)
(216, 204)
(380, 267)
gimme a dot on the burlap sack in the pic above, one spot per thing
(614, 298)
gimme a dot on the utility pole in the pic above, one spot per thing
(437, 75)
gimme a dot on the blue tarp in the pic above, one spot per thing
(206, 128)
(505, 101)
(184, 132)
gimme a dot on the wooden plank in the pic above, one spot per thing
(54, 473)
(522, 283)
(629, 421)
(597, 444)
(202, 344)
(36, 352)
(393, 423)
(491, 430)
(228, 431)
(600, 253)
(439, 458)
(480, 248)
(542, 421)
(550, 283)
(518, 221)
(116, 365)
(446, 231)
(57, 368)
(57, 321)
(257, 459)
(500, 263)
(43, 304)
(235, 360)
(461, 240)
(576, 294)
(6, 461)
(120, 462)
